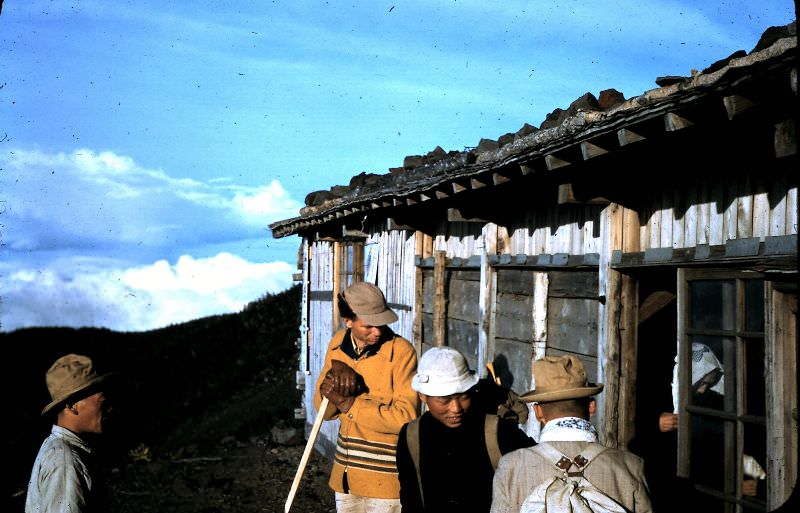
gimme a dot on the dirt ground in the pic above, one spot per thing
(235, 476)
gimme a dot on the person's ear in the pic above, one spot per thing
(348, 323)
(539, 413)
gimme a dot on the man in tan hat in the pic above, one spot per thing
(367, 379)
(568, 452)
(63, 476)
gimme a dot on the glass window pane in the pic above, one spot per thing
(709, 372)
(755, 378)
(713, 304)
(754, 462)
(754, 305)
(708, 451)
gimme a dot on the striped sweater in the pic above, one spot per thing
(364, 463)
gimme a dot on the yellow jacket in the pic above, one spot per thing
(367, 442)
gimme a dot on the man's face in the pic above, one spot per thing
(92, 412)
(448, 409)
(363, 334)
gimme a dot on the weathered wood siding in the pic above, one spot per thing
(393, 271)
(320, 308)
(552, 228)
(713, 212)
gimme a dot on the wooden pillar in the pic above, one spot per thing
(439, 306)
(418, 295)
(486, 302)
(617, 328)
(337, 277)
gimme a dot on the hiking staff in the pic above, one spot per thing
(306, 453)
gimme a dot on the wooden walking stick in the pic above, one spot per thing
(306, 453)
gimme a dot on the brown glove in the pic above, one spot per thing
(328, 389)
(345, 380)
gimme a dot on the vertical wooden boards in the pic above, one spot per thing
(628, 328)
(539, 314)
(690, 218)
(791, 211)
(777, 216)
(716, 220)
(730, 220)
(781, 357)
(486, 301)
(760, 209)
(321, 327)
(439, 314)
(744, 218)
(703, 214)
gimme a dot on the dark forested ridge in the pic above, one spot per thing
(187, 384)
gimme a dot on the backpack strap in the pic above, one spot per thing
(564, 463)
(412, 440)
(490, 434)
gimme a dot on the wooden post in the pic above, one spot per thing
(418, 295)
(337, 270)
(486, 301)
(439, 308)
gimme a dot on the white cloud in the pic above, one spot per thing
(85, 292)
(92, 199)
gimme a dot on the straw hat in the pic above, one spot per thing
(559, 378)
(68, 376)
(443, 371)
(369, 304)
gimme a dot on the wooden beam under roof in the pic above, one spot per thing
(627, 136)
(591, 150)
(454, 216)
(567, 195)
(785, 139)
(674, 122)
(736, 105)
(552, 162)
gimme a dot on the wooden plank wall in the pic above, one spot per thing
(320, 331)
(572, 317)
(575, 231)
(713, 212)
(395, 274)
(513, 328)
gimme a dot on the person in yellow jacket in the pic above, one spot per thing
(367, 379)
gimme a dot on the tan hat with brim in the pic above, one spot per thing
(68, 376)
(369, 304)
(559, 378)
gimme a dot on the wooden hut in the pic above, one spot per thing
(621, 230)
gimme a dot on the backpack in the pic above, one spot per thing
(490, 435)
(570, 492)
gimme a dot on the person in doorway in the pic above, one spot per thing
(447, 457)
(708, 389)
(64, 475)
(564, 403)
(366, 378)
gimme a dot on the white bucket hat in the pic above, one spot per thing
(443, 371)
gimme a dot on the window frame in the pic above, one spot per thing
(737, 420)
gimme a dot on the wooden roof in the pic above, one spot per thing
(765, 79)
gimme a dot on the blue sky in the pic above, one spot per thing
(146, 145)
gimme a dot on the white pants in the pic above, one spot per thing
(349, 503)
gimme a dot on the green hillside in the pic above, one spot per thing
(190, 383)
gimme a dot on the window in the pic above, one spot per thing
(722, 389)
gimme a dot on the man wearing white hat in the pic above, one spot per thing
(447, 457)
(63, 477)
(568, 452)
(367, 379)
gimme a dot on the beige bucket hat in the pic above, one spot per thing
(443, 371)
(559, 378)
(69, 375)
(369, 304)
